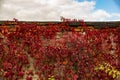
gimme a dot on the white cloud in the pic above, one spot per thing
(116, 15)
(47, 10)
(100, 15)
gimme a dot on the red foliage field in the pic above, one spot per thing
(59, 52)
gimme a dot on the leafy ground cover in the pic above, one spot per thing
(59, 52)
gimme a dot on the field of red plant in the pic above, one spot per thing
(59, 52)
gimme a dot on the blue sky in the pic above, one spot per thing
(51, 10)
(107, 5)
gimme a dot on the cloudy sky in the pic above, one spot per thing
(51, 10)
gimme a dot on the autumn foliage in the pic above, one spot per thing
(59, 52)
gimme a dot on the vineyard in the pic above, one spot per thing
(29, 51)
